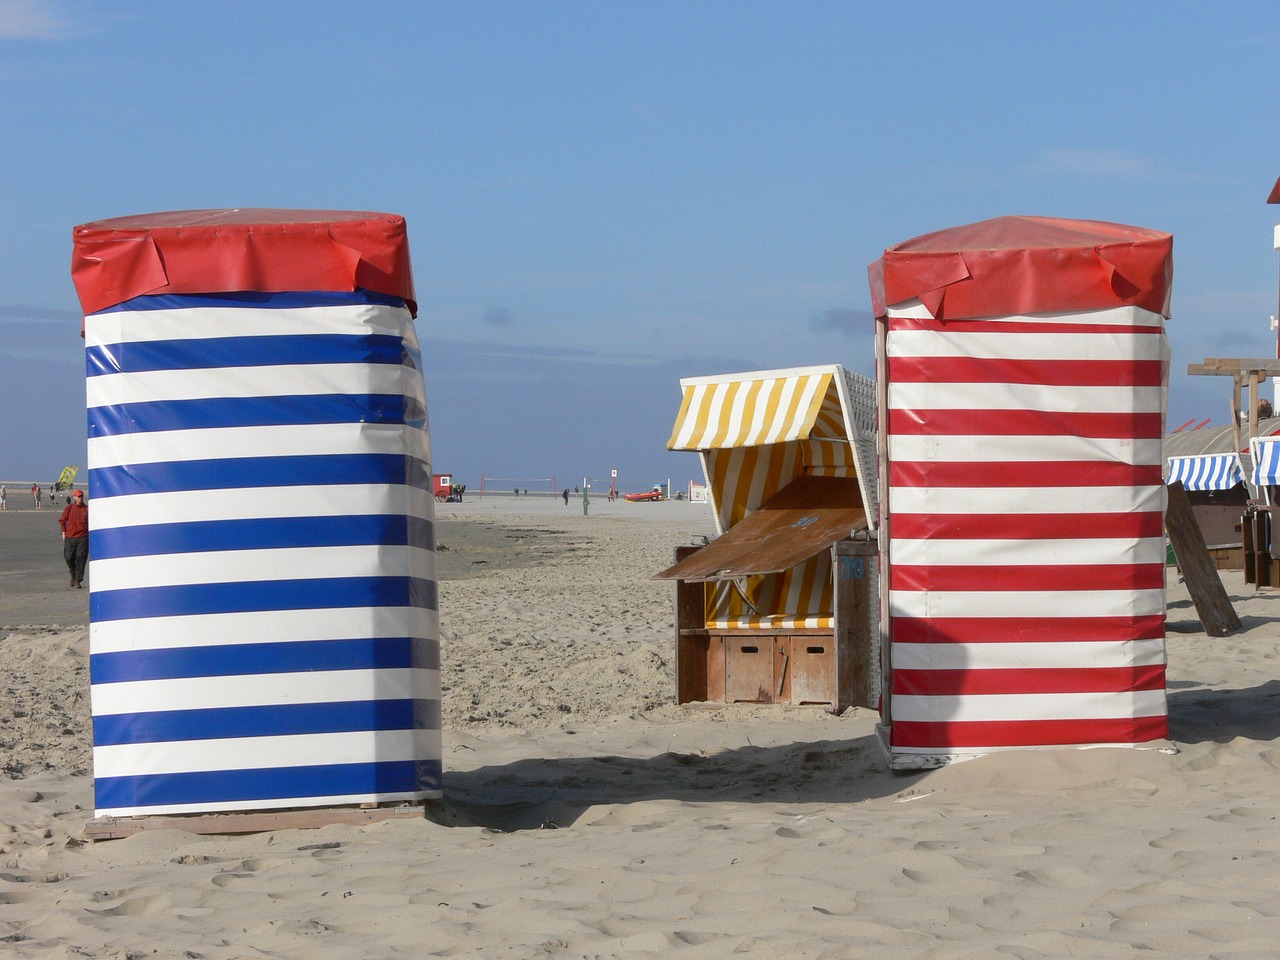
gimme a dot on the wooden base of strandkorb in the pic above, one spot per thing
(311, 818)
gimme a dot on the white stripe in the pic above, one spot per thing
(274, 803)
(744, 420)
(944, 552)
(773, 621)
(1063, 604)
(258, 690)
(315, 379)
(1214, 472)
(1014, 449)
(786, 426)
(199, 323)
(964, 500)
(1026, 656)
(272, 626)
(259, 753)
(713, 399)
(755, 430)
(246, 566)
(228, 443)
(1266, 461)
(1024, 396)
(1116, 316)
(1030, 706)
(340, 500)
(1030, 346)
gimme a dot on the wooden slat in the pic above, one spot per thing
(805, 517)
(1212, 604)
(1229, 366)
(115, 828)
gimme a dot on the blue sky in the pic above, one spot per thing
(605, 197)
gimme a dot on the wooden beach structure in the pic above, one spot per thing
(1022, 371)
(781, 606)
(263, 624)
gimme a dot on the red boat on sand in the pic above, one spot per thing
(651, 495)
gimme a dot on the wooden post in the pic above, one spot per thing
(853, 567)
(1212, 604)
(692, 640)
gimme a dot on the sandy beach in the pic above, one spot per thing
(588, 816)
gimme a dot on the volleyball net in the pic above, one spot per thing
(519, 486)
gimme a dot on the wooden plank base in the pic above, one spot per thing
(116, 828)
(1212, 604)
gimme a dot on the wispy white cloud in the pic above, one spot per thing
(35, 20)
(1109, 164)
(25, 312)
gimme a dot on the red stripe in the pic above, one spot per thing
(1048, 577)
(1026, 629)
(1025, 526)
(1032, 423)
(897, 324)
(960, 683)
(1027, 733)
(1063, 373)
(1023, 473)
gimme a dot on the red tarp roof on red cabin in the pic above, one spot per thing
(1019, 265)
(225, 251)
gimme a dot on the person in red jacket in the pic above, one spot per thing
(75, 536)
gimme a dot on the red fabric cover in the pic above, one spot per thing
(225, 251)
(1020, 265)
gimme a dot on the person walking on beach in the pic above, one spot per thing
(4, 495)
(566, 496)
(37, 495)
(75, 537)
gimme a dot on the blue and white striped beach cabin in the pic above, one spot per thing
(263, 618)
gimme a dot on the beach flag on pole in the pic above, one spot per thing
(263, 620)
(1022, 367)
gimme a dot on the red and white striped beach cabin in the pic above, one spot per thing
(1022, 369)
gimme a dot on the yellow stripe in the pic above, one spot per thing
(720, 415)
(729, 428)
(686, 402)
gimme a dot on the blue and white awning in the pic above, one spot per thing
(1266, 460)
(1219, 471)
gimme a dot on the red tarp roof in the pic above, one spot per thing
(1020, 265)
(225, 251)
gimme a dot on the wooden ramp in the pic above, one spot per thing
(1212, 604)
(115, 828)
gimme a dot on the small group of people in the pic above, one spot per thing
(37, 496)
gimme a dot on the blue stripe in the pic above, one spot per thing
(235, 473)
(218, 412)
(280, 783)
(211, 353)
(247, 659)
(264, 534)
(258, 300)
(251, 596)
(279, 720)
(1266, 471)
(1209, 472)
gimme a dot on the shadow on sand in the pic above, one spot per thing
(1218, 716)
(541, 792)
